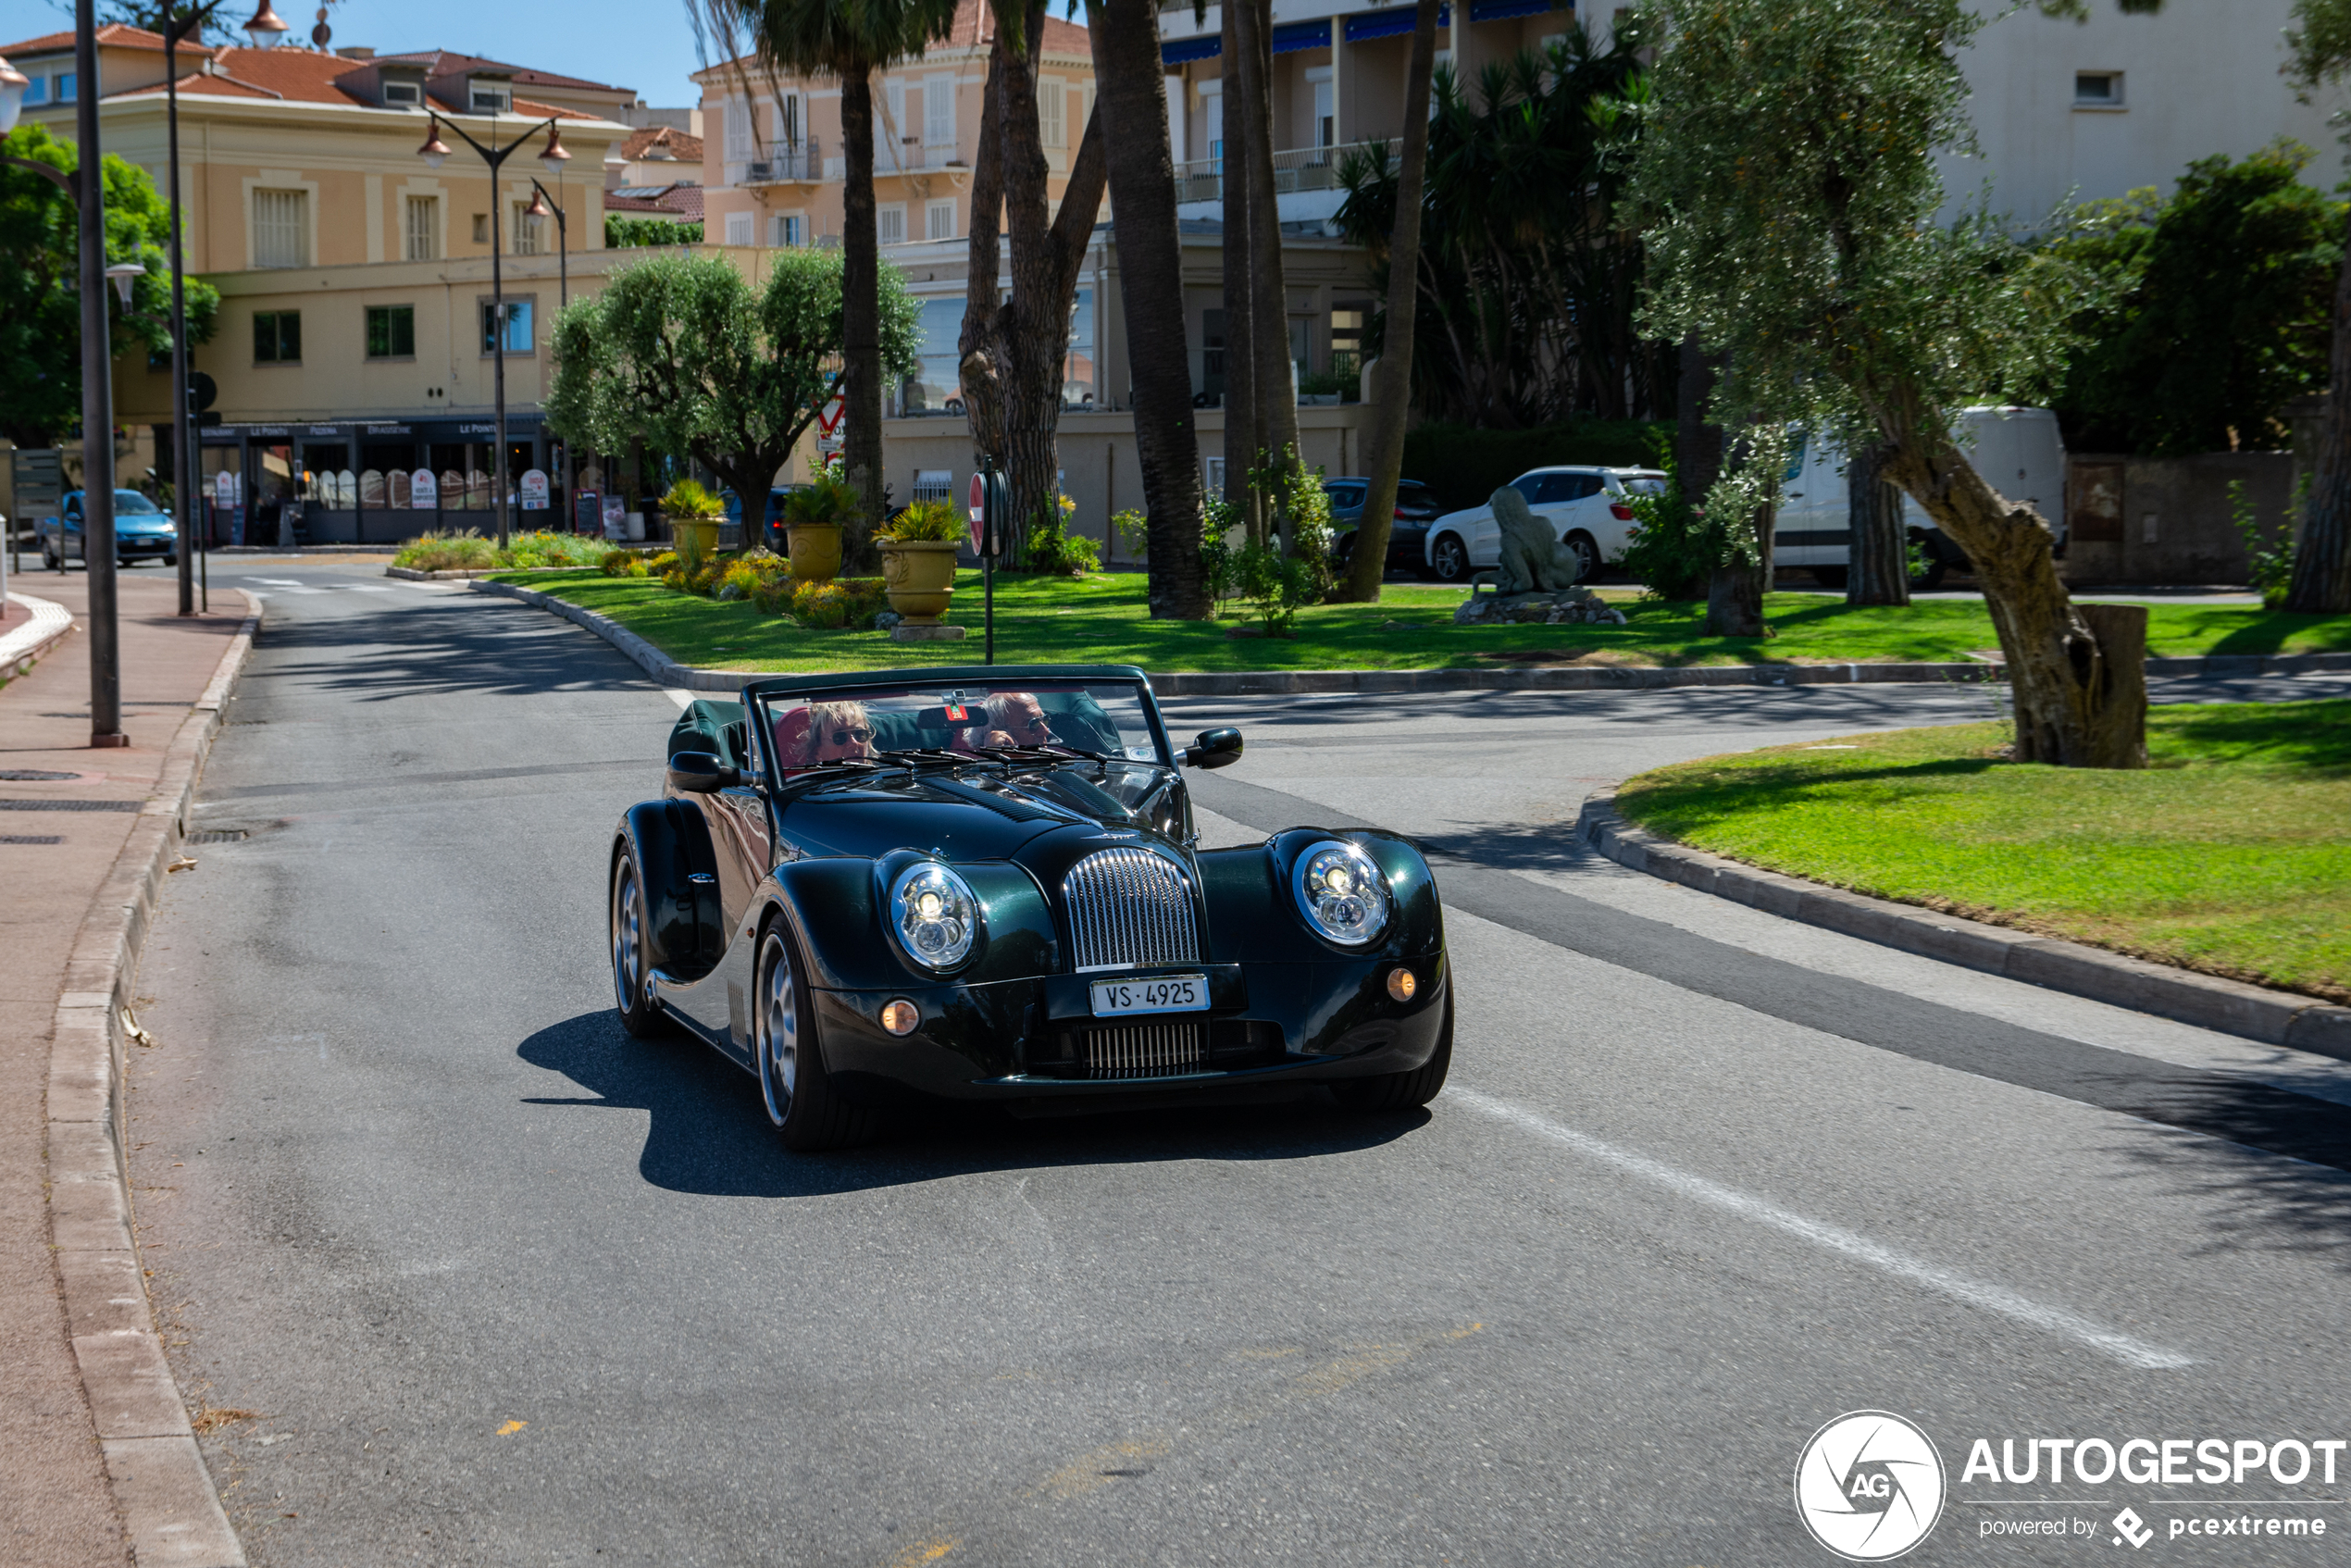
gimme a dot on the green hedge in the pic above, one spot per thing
(623, 233)
(1465, 464)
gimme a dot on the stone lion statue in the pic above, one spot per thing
(1532, 558)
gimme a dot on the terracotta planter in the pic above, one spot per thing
(697, 538)
(816, 551)
(919, 576)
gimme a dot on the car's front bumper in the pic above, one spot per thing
(1268, 1026)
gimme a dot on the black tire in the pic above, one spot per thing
(1587, 555)
(1405, 1091)
(638, 1013)
(53, 562)
(171, 560)
(789, 1057)
(1830, 577)
(1448, 559)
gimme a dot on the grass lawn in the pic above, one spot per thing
(1104, 619)
(2231, 855)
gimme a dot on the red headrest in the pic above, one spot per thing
(791, 738)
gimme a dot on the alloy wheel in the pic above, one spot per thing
(778, 1029)
(627, 939)
(1450, 560)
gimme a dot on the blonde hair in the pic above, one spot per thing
(826, 717)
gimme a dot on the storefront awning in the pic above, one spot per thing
(1390, 20)
(1502, 10)
(1186, 50)
(1290, 37)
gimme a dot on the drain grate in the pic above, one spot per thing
(70, 805)
(217, 836)
(32, 838)
(28, 775)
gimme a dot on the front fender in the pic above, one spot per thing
(686, 932)
(1252, 916)
(836, 910)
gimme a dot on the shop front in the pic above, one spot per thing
(376, 482)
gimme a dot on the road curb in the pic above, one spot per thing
(2273, 1017)
(410, 574)
(170, 1510)
(22, 648)
(1343, 682)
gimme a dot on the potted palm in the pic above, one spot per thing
(918, 560)
(812, 516)
(694, 514)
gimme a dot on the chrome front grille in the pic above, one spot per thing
(1129, 907)
(1144, 1050)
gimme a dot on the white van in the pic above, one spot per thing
(2018, 450)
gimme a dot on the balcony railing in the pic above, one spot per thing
(785, 166)
(1299, 169)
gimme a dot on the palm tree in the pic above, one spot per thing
(847, 40)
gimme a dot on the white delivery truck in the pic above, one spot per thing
(2018, 450)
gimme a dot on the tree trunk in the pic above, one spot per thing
(1392, 380)
(1734, 592)
(981, 377)
(1244, 427)
(1133, 104)
(2322, 584)
(2081, 702)
(1879, 572)
(860, 320)
(1269, 296)
(1697, 445)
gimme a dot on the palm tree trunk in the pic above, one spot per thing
(1392, 381)
(860, 318)
(1244, 430)
(1269, 297)
(982, 377)
(2322, 584)
(1133, 104)
(1879, 572)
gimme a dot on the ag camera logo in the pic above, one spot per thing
(1869, 1485)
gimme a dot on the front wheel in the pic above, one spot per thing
(801, 1099)
(1587, 555)
(1401, 1092)
(631, 925)
(50, 559)
(1449, 558)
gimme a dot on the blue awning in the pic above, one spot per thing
(1290, 37)
(1185, 50)
(1390, 20)
(1502, 10)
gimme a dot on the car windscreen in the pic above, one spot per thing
(131, 500)
(1106, 718)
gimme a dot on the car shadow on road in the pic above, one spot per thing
(709, 1132)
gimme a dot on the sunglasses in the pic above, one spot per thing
(843, 737)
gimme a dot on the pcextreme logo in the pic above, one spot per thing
(1869, 1485)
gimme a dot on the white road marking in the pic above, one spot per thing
(277, 581)
(678, 695)
(1973, 1292)
(366, 588)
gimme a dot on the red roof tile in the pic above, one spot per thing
(681, 146)
(682, 203)
(974, 24)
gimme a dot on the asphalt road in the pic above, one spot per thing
(494, 1284)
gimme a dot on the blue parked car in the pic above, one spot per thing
(773, 533)
(142, 531)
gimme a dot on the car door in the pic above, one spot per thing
(69, 530)
(1792, 523)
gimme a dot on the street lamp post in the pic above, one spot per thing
(542, 206)
(433, 152)
(97, 397)
(174, 27)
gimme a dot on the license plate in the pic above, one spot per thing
(1160, 994)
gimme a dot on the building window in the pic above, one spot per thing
(889, 224)
(939, 220)
(277, 337)
(482, 229)
(738, 229)
(937, 378)
(1326, 118)
(518, 338)
(786, 232)
(787, 119)
(67, 91)
(492, 100)
(36, 92)
(391, 331)
(1346, 337)
(531, 235)
(1052, 111)
(281, 228)
(737, 130)
(934, 484)
(402, 94)
(420, 233)
(1078, 369)
(938, 112)
(2097, 89)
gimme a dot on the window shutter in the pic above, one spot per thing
(1052, 104)
(282, 228)
(938, 112)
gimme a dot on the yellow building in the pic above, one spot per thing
(355, 338)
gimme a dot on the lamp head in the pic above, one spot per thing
(556, 155)
(122, 275)
(266, 30)
(538, 207)
(12, 85)
(435, 149)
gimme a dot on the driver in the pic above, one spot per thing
(1020, 717)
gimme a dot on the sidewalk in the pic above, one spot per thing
(56, 1506)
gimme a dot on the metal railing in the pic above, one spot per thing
(785, 166)
(1299, 169)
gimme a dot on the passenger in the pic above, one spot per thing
(1020, 717)
(823, 733)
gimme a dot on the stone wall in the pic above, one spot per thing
(2152, 521)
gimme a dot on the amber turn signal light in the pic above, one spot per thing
(901, 1016)
(1401, 984)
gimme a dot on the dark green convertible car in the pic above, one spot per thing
(983, 883)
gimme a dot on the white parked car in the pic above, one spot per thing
(2018, 450)
(1591, 507)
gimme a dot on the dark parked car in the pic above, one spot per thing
(982, 883)
(142, 531)
(1417, 507)
(773, 531)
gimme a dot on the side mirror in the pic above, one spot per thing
(1214, 748)
(700, 772)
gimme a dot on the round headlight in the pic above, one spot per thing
(1342, 893)
(934, 915)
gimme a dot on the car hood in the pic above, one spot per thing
(982, 815)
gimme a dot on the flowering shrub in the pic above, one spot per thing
(845, 602)
(623, 562)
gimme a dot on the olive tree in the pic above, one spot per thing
(2319, 42)
(680, 353)
(1788, 165)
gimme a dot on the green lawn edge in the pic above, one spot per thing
(2231, 855)
(1106, 617)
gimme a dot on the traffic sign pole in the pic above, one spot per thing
(990, 490)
